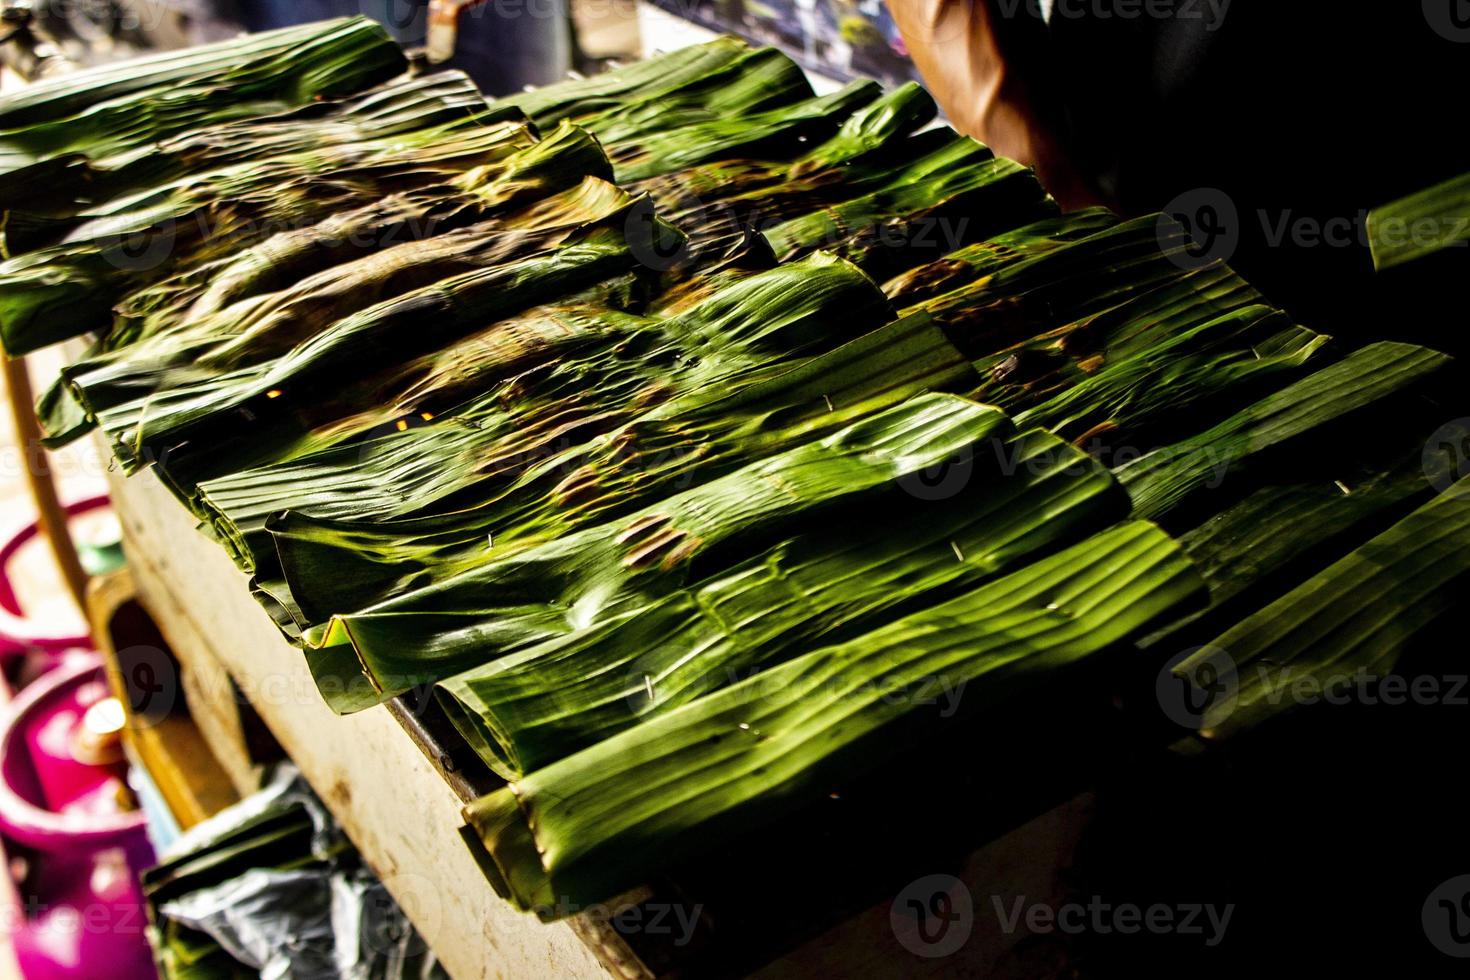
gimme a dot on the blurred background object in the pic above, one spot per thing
(75, 838)
(270, 887)
(840, 38)
(71, 832)
(505, 45)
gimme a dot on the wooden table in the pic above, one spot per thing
(398, 797)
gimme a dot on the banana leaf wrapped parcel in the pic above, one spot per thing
(692, 444)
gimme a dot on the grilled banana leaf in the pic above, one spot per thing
(398, 107)
(525, 426)
(965, 265)
(529, 172)
(682, 443)
(639, 81)
(578, 580)
(1417, 226)
(1025, 374)
(68, 289)
(775, 132)
(1223, 363)
(269, 325)
(58, 122)
(173, 428)
(956, 193)
(1163, 480)
(598, 822)
(1018, 500)
(1355, 620)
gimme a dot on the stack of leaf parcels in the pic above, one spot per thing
(685, 432)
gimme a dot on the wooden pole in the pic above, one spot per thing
(50, 515)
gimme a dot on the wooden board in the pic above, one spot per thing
(391, 801)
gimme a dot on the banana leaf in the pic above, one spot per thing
(341, 155)
(872, 135)
(723, 205)
(1415, 227)
(399, 470)
(794, 310)
(1323, 506)
(1221, 364)
(680, 444)
(1059, 287)
(598, 822)
(1027, 373)
(965, 265)
(640, 80)
(177, 305)
(1165, 479)
(756, 81)
(957, 192)
(270, 325)
(872, 130)
(68, 289)
(775, 132)
(529, 423)
(1019, 501)
(401, 106)
(1357, 618)
(427, 390)
(577, 581)
(91, 113)
(680, 288)
(627, 364)
(529, 172)
(176, 428)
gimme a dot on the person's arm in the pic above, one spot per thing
(985, 62)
